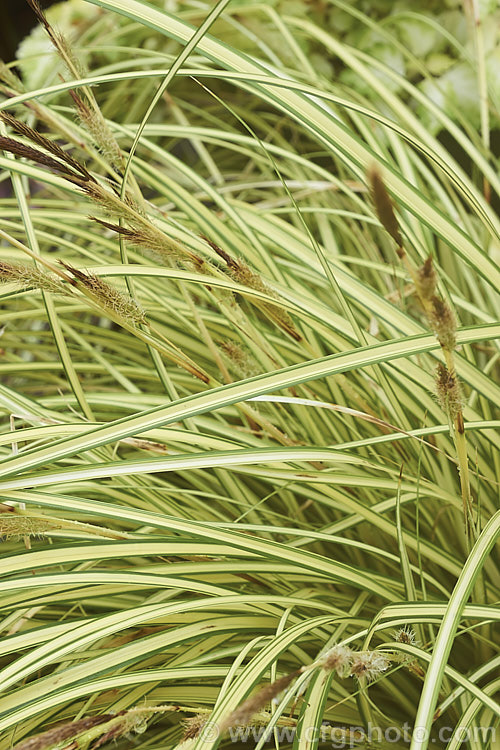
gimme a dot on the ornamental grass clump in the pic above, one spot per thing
(249, 256)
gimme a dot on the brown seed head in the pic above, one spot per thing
(443, 323)
(405, 635)
(63, 732)
(93, 120)
(369, 664)
(109, 297)
(21, 149)
(193, 726)
(448, 392)
(41, 140)
(383, 205)
(243, 714)
(427, 279)
(231, 263)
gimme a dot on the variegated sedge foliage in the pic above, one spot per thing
(191, 552)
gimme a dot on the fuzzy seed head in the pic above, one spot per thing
(157, 244)
(30, 277)
(63, 48)
(92, 118)
(369, 665)
(193, 726)
(405, 635)
(14, 527)
(240, 359)
(109, 203)
(109, 297)
(338, 659)
(122, 304)
(448, 392)
(443, 323)
(242, 273)
(61, 734)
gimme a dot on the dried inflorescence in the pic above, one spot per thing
(110, 298)
(15, 526)
(242, 361)
(405, 635)
(347, 663)
(143, 233)
(241, 272)
(443, 323)
(94, 731)
(243, 714)
(427, 279)
(31, 277)
(58, 735)
(193, 726)
(369, 665)
(88, 111)
(61, 44)
(384, 206)
(338, 659)
(92, 118)
(53, 148)
(448, 392)
(364, 665)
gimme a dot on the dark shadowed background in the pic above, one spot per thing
(18, 19)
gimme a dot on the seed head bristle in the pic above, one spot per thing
(405, 635)
(31, 276)
(242, 273)
(231, 263)
(14, 526)
(108, 202)
(109, 297)
(243, 364)
(145, 235)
